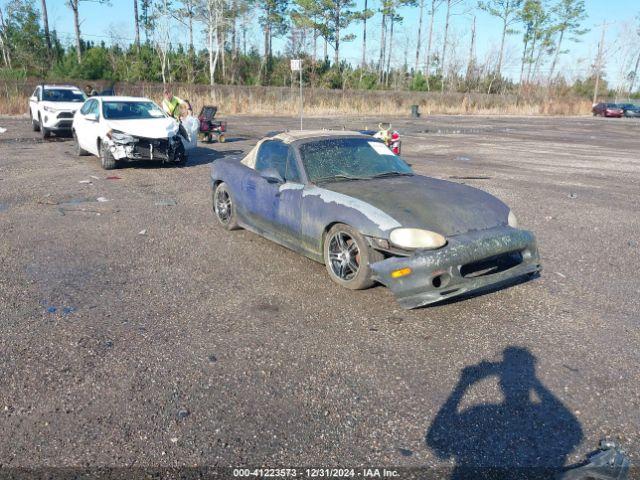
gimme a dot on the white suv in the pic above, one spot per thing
(52, 107)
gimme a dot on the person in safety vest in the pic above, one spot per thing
(173, 107)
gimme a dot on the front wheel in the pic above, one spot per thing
(348, 257)
(223, 207)
(35, 126)
(106, 157)
(44, 132)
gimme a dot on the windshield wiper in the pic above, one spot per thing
(339, 178)
(393, 174)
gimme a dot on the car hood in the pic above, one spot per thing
(147, 128)
(422, 202)
(62, 106)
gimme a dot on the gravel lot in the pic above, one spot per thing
(137, 332)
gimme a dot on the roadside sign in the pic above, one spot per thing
(296, 65)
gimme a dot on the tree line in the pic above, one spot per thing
(314, 30)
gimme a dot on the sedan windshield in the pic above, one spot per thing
(350, 159)
(116, 110)
(62, 95)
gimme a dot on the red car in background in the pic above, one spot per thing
(607, 110)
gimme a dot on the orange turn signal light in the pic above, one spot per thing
(403, 272)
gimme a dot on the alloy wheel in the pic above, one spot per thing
(344, 256)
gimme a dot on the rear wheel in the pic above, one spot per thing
(79, 151)
(223, 207)
(348, 257)
(106, 158)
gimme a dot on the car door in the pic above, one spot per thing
(274, 207)
(33, 103)
(87, 129)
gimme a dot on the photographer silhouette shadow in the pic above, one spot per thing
(526, 436)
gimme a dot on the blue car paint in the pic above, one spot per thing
(297, 216)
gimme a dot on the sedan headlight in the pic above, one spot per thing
(413, 238)
(512, 220)
(120, 137)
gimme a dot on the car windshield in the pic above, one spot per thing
(350, 159)
(63, 95)
(116, 110)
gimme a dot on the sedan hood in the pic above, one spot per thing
(62, 106)
(147, 128)
(422, 202)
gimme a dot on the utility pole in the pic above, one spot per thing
(599, 62)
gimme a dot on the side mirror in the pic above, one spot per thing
(92, 117)
(34, 99)
(271, 175)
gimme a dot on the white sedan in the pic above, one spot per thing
(119, 129)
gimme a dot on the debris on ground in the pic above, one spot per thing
(94, 177)
(573, 195)
(2, 130)
(86, 181)
(477, 177)
(102, 199)
(3, 207)
(183, 413)
(631, 243)
(212, 358)
(61, 310)
(463, 159)
(114, 177)
(142, 232)
(561, 275)
(166, 203)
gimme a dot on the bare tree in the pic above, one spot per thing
(634, 74)
(418, 45)
(4, 44)
(435, 4)
(136, 24)
(507, 11)
(162, 38)
(569, 15)
(45, 24)
(364, 16)
(74, 5)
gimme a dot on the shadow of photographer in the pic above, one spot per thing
(528, 435)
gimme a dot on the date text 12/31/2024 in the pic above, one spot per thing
(315, 473)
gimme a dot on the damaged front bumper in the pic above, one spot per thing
(140, 148)
(468, 262)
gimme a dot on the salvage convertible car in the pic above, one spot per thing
(344, 199)
(129, 128)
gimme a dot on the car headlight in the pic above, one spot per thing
(120, 137)
(413, 238)
(512, 220)
(49, 109)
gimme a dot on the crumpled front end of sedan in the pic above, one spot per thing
(129, 147)
(467, 262)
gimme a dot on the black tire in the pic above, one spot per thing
(35, 126)
(79, 151)
(44, 132)
(106, 158)
(224, 208)
(350, 270)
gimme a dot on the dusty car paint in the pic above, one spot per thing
(299, 215)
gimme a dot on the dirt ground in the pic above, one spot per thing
(136, 331)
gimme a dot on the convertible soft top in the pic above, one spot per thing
(294, 135)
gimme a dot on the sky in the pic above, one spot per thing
(99, 22)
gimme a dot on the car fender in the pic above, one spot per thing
(322, 208)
